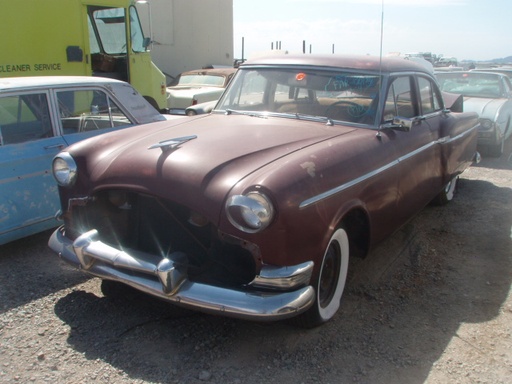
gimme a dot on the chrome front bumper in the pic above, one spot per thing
(167, 280)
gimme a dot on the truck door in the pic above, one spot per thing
(144, 75)
(28, 143)
(108, 43)
(118, 51)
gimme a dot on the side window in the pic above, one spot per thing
(24, 118)
(508, 86)
(399, 100)
(429, 96)
(89, 110)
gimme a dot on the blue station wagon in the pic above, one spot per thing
(39, 116)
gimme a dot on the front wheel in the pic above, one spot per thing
(330, 283)
(496, 150)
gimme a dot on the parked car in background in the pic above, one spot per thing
(489, 95)
(253, 210)
(39, 116)
(196, 87)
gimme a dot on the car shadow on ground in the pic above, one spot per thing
(502, 162)
(19, 259)
(403, 306)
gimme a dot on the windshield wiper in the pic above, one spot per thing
(300, 116)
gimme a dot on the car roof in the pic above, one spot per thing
(30, 82)
(370, 63)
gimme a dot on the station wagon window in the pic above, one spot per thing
(89, 110)
(399, 101)
(429, 96)
(24, 118)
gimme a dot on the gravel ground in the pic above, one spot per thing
(431, 305)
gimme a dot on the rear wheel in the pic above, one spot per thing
(446, 195)
(330, 283)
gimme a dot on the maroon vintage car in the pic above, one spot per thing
(253, 210)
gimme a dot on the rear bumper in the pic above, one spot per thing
(167, 280)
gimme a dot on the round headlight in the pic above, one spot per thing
(250, 213)
(64, 169)
(486, 123)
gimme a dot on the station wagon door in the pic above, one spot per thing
(28, 143)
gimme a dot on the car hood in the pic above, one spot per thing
(200, 172)
(486, 108)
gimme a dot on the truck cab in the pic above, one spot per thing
(79, 37)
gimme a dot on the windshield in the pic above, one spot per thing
(342, 96)
(472, 84)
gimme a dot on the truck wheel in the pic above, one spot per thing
(330, 283)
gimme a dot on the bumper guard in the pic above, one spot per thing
(167, 280)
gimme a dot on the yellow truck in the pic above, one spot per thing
(79, 37)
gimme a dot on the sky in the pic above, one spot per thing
(465, 29)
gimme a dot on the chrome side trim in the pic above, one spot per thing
(166, 279)
(333, 191)
(329, 193)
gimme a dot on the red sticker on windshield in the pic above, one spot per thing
(300, 76)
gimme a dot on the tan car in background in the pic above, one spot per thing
(196, 87)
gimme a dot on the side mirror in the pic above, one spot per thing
(399, 123)
(146, 42)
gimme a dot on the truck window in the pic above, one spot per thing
(87, 110)
(111, 31)
(111, 27)
(24, 118)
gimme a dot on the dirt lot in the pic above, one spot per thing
(431, 305)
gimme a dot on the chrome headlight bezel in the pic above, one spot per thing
(64, 169)
(487, 124)
(251, 212)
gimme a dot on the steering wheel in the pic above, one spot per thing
(354, 110)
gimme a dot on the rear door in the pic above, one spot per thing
(28, 142)
(418, 152)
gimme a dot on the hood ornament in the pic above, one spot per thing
(171, 144)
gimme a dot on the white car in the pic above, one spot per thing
(490, 95)
(196, 87)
